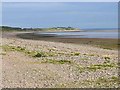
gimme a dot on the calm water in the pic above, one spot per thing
(82, 34)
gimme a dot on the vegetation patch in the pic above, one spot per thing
(107, 82)
(75, 53)
(106, 58)
(39, 54)
(101, 82)
(84, 54)
(57, 61)
(101, 66)
(91, 54)
(84, 58)
(12, 48)
(108, 48)
(96, 67)
(28, 52)
(106, 61)
(3, 53)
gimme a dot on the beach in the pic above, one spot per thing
(47, 62)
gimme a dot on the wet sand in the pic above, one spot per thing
(105, 43)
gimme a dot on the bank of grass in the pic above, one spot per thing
(96, 67)
(37, 53)
(28, 52)
(53, 61)
(101, 82)
(75, 53)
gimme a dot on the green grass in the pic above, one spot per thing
(107, 82)
(39, 54)
(13, 48)
(51, 61)
(106, 58)
(36, 53)
(84, 54)
(75, 54)
(91, 54)
(101, 82)
(107, 48)
(84, 58)
(57, 61)
(96, 67)
(2, 53)
(28, 52)
(106, 61)
(100, 66)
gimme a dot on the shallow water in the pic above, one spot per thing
(87, 34)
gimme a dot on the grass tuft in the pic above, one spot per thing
(96, 67)
(28, 52)
(57, 62)
(106, 58)
(39, 54)
(75, 53)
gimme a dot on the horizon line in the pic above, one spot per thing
(56, 27)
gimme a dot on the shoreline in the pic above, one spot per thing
(104, 43)
(99, 42)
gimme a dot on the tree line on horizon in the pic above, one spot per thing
(7, 28)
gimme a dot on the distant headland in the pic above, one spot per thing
(8, 28)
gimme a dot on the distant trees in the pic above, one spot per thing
(63, 28)
(7, 28)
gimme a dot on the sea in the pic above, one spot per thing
(82, 34)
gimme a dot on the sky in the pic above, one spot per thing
(60, 14)
(60, 0)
